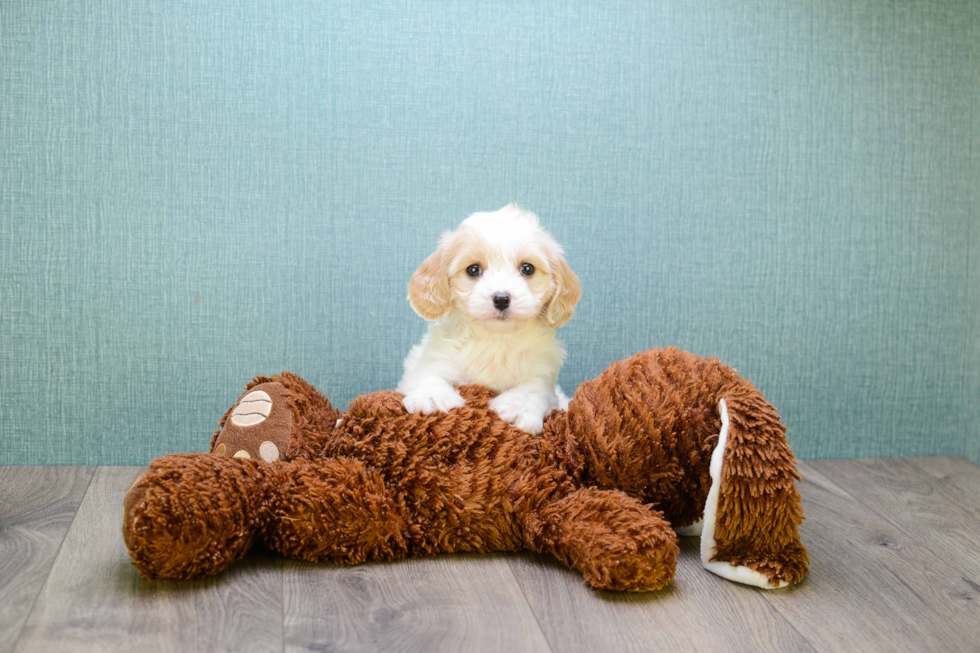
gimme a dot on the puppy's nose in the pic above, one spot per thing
(501, 300)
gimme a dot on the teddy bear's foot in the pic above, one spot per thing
(277, 418)
(191, 515)
(614, 540)
(259, 426)
(749, 533)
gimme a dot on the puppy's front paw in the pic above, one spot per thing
(433, 400)
(520, 410)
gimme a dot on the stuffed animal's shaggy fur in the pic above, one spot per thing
(600, 488)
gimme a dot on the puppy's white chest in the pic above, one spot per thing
(503, 363)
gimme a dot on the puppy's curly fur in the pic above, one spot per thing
(495, 290)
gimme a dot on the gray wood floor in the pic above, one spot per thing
(894, 543)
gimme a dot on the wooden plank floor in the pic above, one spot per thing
(894, 545)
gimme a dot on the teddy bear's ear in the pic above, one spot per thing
(428, 289)
(567, 293)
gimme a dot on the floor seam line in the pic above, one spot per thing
(537, 622)
(54, 560)
(775, 608)
(282, 588)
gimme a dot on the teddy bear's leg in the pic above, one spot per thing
(191, 515)
(335, 509)
(752, 513)
(614, 540)
(650, 425)
(276, 417)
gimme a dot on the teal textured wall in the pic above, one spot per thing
(193, 193)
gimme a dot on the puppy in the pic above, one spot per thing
(495, 290)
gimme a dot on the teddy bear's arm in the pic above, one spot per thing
(336, 509)
(191, 515)
(613, 539)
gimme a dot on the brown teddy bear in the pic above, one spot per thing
(662, 439)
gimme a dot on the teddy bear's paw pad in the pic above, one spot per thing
(252, 409)
(259, 427)
(268, 451)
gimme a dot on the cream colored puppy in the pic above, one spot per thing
(495, 290)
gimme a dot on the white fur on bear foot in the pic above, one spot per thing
(737, 573)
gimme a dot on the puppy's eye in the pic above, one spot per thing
(527, 269)
(474, 270)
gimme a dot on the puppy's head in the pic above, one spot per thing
(498, 269)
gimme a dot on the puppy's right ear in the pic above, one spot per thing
(428, 289)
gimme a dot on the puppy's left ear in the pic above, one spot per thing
(428, 289)
(567, 293)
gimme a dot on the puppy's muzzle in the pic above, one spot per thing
(501, 300)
